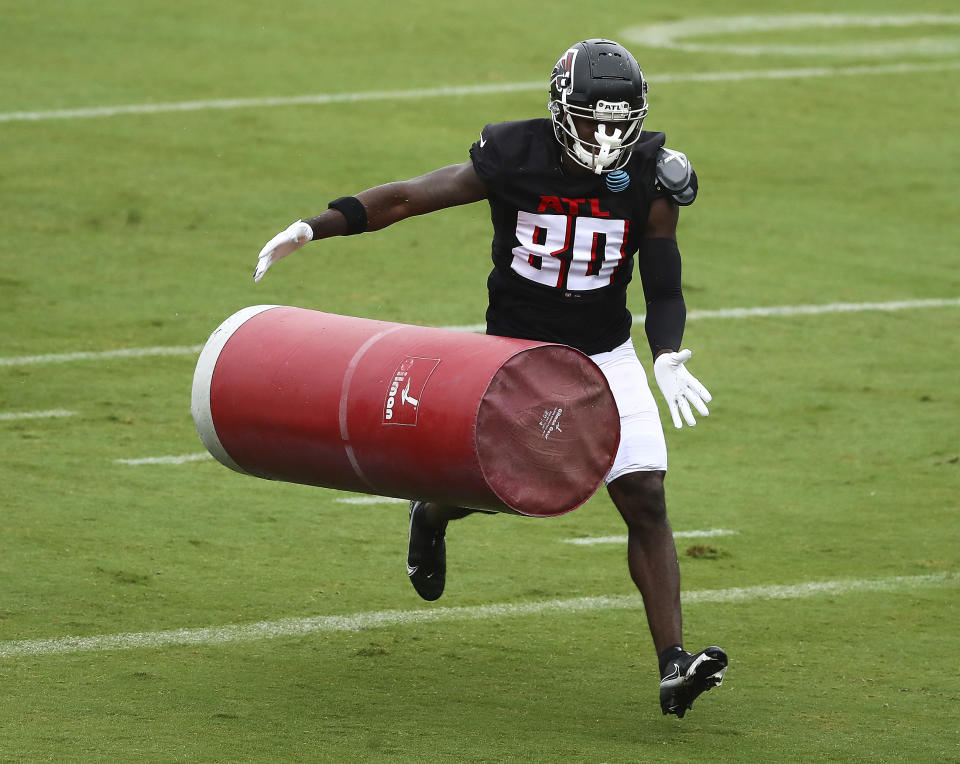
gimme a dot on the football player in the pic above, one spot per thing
(575, 199)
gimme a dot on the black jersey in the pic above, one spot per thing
(563, 244)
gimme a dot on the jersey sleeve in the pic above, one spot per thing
(487, 156)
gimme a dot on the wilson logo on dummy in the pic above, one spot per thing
(402, 403)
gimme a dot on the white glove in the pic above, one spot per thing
(680, 388)
(295, 236)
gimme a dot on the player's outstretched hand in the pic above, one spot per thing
(295, 236)
(680, 388)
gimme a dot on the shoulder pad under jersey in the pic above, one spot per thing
(675, 176)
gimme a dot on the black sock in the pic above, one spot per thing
(668, 655)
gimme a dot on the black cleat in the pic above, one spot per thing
(686, 676)
(426, 556)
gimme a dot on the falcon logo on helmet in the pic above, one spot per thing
(599, 83)
(561, 80)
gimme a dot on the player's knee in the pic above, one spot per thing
(639, 497)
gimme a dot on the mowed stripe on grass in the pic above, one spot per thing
(298, 627)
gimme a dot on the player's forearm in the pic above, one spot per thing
(369, 210)
(377, 208)
(326, 224)
(664, 324)
(384, 205)
(660, 271)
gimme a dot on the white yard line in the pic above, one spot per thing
(198, 457)
(786, 311)
(683, 34)
(594, 540)
(321, 99)
(101, 355)
(18, 415)
(815, 310)
(693, 315)
(298, 627)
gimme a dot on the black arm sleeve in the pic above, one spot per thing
(659, 264)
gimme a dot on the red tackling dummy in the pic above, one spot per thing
(412, 412)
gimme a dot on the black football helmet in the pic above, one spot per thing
(598, 80)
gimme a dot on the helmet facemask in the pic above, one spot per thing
(618, 128)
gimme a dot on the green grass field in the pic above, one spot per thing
(828, 178)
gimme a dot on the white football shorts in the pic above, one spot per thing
(643, 447)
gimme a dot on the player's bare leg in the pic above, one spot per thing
(651, 553)
(652, 558)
